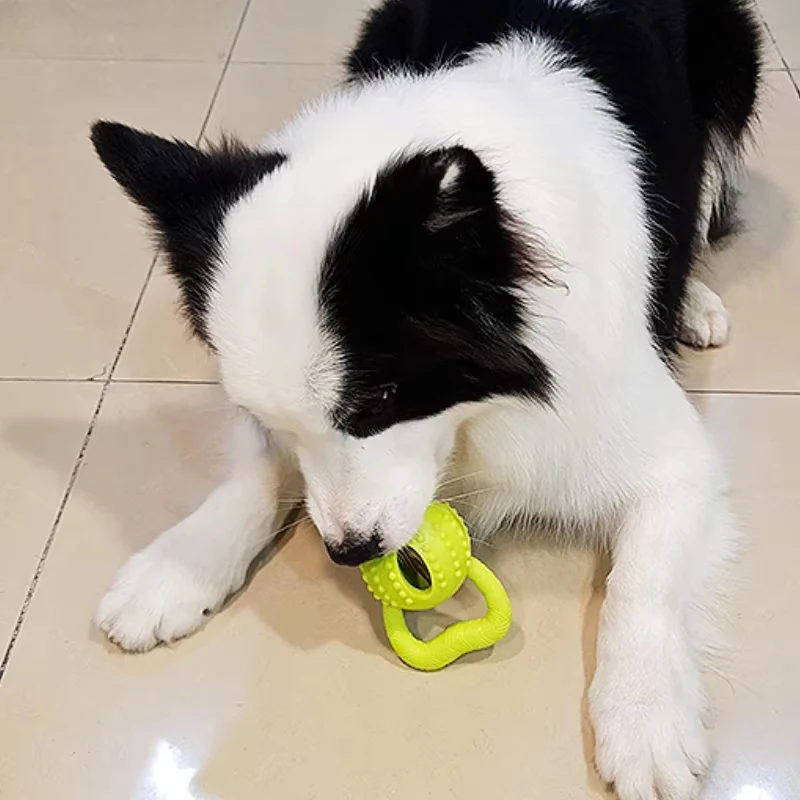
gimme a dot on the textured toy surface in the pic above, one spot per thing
(429, 570)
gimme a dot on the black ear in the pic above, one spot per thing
(464, 187)
(185, 193)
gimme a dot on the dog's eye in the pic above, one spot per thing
(376, 410)
(377, 403)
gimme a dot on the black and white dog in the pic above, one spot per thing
(469, 267)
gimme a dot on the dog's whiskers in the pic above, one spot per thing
(473, 493)
(290, 501)
(458, 478)
(293, 524)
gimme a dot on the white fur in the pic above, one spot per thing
(705, 321)
(167, 590)
(622, 457)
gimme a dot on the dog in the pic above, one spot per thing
(467, 272)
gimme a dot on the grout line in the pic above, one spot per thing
(109, 59)
(100, 381)
(28, 379)
(163, 382)
(51, 537)
(161, 60)
(98, 408)
(785, 63)
(255, 62)
(793, 79)
(742, 393)
(224, 71)
(71, 482)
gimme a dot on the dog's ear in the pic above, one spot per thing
(170, 178)
(185, 193)
(464, 187)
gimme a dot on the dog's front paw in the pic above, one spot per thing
(653, 751)
(157, 599)
(647, 707)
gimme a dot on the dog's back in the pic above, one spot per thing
(682, 76)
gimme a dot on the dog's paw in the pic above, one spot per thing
(705, 321)
(650, 741)
(651, 752)
(156, 599)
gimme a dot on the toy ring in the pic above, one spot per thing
(425, 573)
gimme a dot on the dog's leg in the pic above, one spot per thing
(170, 588)
(647, 699)
(705, 321)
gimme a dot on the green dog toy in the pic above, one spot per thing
(429, 570)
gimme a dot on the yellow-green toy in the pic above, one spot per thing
(429, 570)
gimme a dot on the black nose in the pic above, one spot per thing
(355, 549)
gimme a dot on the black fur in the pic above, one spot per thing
(185, 193)
(682, 75)
(433, 319)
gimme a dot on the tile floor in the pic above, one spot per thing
(109, 424)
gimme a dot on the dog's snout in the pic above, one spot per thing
(356, 548)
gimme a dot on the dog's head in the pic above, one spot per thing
(364, 312)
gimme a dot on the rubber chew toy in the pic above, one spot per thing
(429, 570)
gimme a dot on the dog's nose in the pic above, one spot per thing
(356, 548)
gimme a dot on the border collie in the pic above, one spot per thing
(466, 271)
